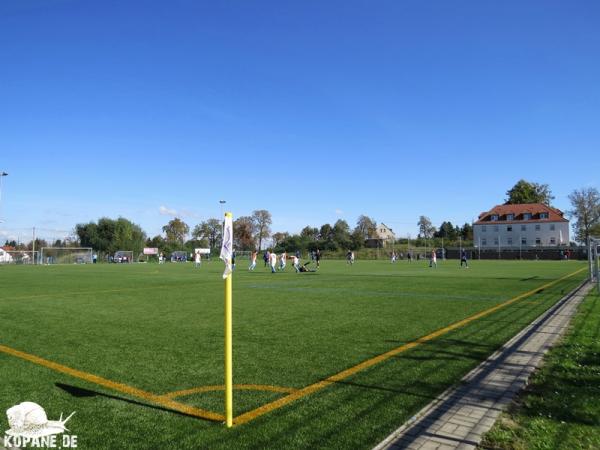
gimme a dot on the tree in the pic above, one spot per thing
(89, 236)
(291, 244)
(525, 192)
(426, 229)
(446, 231)
(156, 242)
(109, 235)
(341, 234)
(193, 244)
(128, 236)
(326, 232)
(279, 237)
(262, 221)
(39, 243)
(243, 238)
(357, 240)
(366, 226)
(211, 230)
(310, 233)
(105, 231)
(586, 212)
(176, 231)
(466, 232)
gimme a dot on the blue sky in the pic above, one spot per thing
(312, 110)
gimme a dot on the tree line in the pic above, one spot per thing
(254, 231)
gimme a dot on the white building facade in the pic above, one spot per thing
(520, 226)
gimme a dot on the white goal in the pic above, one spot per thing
(66, 255)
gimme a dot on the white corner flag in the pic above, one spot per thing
(227, 247)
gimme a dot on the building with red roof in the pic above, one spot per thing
(524, 225)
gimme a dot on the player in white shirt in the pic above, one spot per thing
(252, 261)
(282, 261)
(433, 259)
(273, 261)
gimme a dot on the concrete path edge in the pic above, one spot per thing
(460, 416)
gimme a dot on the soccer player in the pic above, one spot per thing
(273, 261)
(296, 263)
(433, 260)
(253, 260)
(282, 261)
(463, 258)
(303, 268)
(197, 259)
(318, 258)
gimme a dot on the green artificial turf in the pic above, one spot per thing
(561, 408)
(160, 328)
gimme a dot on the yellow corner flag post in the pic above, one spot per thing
(226, 255)
(228, 354)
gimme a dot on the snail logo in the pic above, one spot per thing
(30, 427)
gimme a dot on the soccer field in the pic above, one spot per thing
(334, 359)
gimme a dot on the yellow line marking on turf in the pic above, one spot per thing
(251, 415)
(134, 392)
(243, 387)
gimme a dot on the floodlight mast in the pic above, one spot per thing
(2, 175)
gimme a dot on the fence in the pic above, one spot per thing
(537, 253)
(420, 253)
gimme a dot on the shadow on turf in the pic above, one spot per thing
(79, 392)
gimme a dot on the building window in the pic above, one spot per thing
(523, 227)
(484, 242)
(494, 217)
(543, 215)
(510, 217)
(508, 227)
(537, 227)
(483, 228)
(552, 241)
(538, 241)
(526, 216)
(523, 241)
(509, 241)
(552, 227)
(495, 227)
(496, 242)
